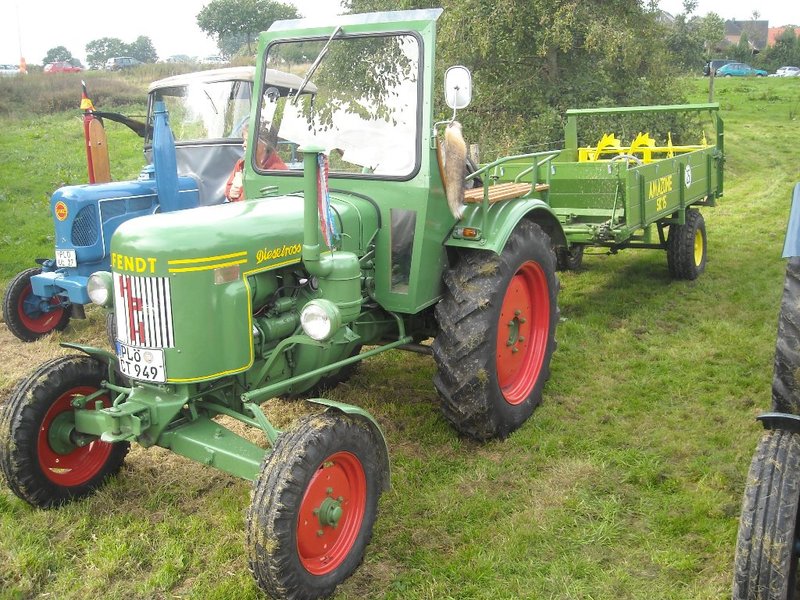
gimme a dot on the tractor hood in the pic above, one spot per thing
(256, 235)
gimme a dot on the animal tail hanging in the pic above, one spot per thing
(455, 166)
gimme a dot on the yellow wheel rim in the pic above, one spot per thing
(698, 247)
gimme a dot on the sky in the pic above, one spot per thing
(39, 25)
(36, 26)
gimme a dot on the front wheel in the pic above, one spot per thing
(496, 336)
(313, 506)
(570, 259)
(687, 247)
(45, 461)
(28, 316)
(766, 561)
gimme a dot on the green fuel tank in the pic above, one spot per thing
(193, 279)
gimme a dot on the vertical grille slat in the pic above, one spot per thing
(143, 307)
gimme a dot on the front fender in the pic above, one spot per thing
(791, 246)
(501, 219)
(366, 418)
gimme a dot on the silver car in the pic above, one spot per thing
(788, 72)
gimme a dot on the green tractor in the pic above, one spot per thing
(357, 238)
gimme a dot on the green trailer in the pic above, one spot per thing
(616, 195)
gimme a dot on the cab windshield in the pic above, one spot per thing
(360, 104)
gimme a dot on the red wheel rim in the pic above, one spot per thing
(340, 479)
(78, 466)
(45, 321)
(522, 332)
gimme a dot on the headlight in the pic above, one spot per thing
(320, 319)
(101, 288)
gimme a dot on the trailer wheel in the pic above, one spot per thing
(570, 259)
(39, 456)
(313, 506)
(497, 324)
(22, 310)
(766, 561)
(687, 247)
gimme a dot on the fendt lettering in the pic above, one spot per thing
(132, 264)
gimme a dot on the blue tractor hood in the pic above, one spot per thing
(791, 246)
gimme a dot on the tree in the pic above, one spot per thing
(142, 50)
(743, 51)
(100, 50)
(58, 54)
(712, 32)
(532, 60)
(236, 23)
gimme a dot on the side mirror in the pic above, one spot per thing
(457, 87)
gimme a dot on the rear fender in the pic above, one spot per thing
(502, 218)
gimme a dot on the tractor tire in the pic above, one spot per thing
(765, 567)
(785, 387)
(22, 312)
(570, 259)
(687, 247)
(313, 506)
(497, 324)
(111, 330)
(34, 470)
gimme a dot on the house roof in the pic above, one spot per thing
(757, 32)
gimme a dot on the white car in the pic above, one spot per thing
(788, 72)
(213, 60)
(9, 70)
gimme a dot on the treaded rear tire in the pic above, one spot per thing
(765, 567)
(471, 350)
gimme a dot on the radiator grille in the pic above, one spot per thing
(85, 229)
(143, 308)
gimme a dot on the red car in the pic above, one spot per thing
(61, 67)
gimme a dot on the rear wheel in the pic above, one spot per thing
(45, 461)
(313, 507)
(767, 545)
(687, 247)
(28, 316)
(496, 335)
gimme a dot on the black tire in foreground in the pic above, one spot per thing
(765, 567)
(687, 247)
(497, 325)
(313, 506)
(570, 259)
(785, 386)
(40, 462)
(22, 310)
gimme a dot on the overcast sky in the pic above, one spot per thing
(36, 26)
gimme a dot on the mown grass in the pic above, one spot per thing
(626, 483)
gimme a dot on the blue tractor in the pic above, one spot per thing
(190, 156)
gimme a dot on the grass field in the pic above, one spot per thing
(626, 482)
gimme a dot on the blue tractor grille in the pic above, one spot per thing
(85, 228)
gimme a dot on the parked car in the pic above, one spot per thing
(739, 70)
(118, 63)
(788, 72)
(62, 67)
(712, 65)
(9, 70)
(213, 60)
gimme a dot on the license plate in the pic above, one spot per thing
(141, 363)
(66, 258)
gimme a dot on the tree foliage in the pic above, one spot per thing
(532, 60)
(237, 23)
(59, 54)
(100, 50)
